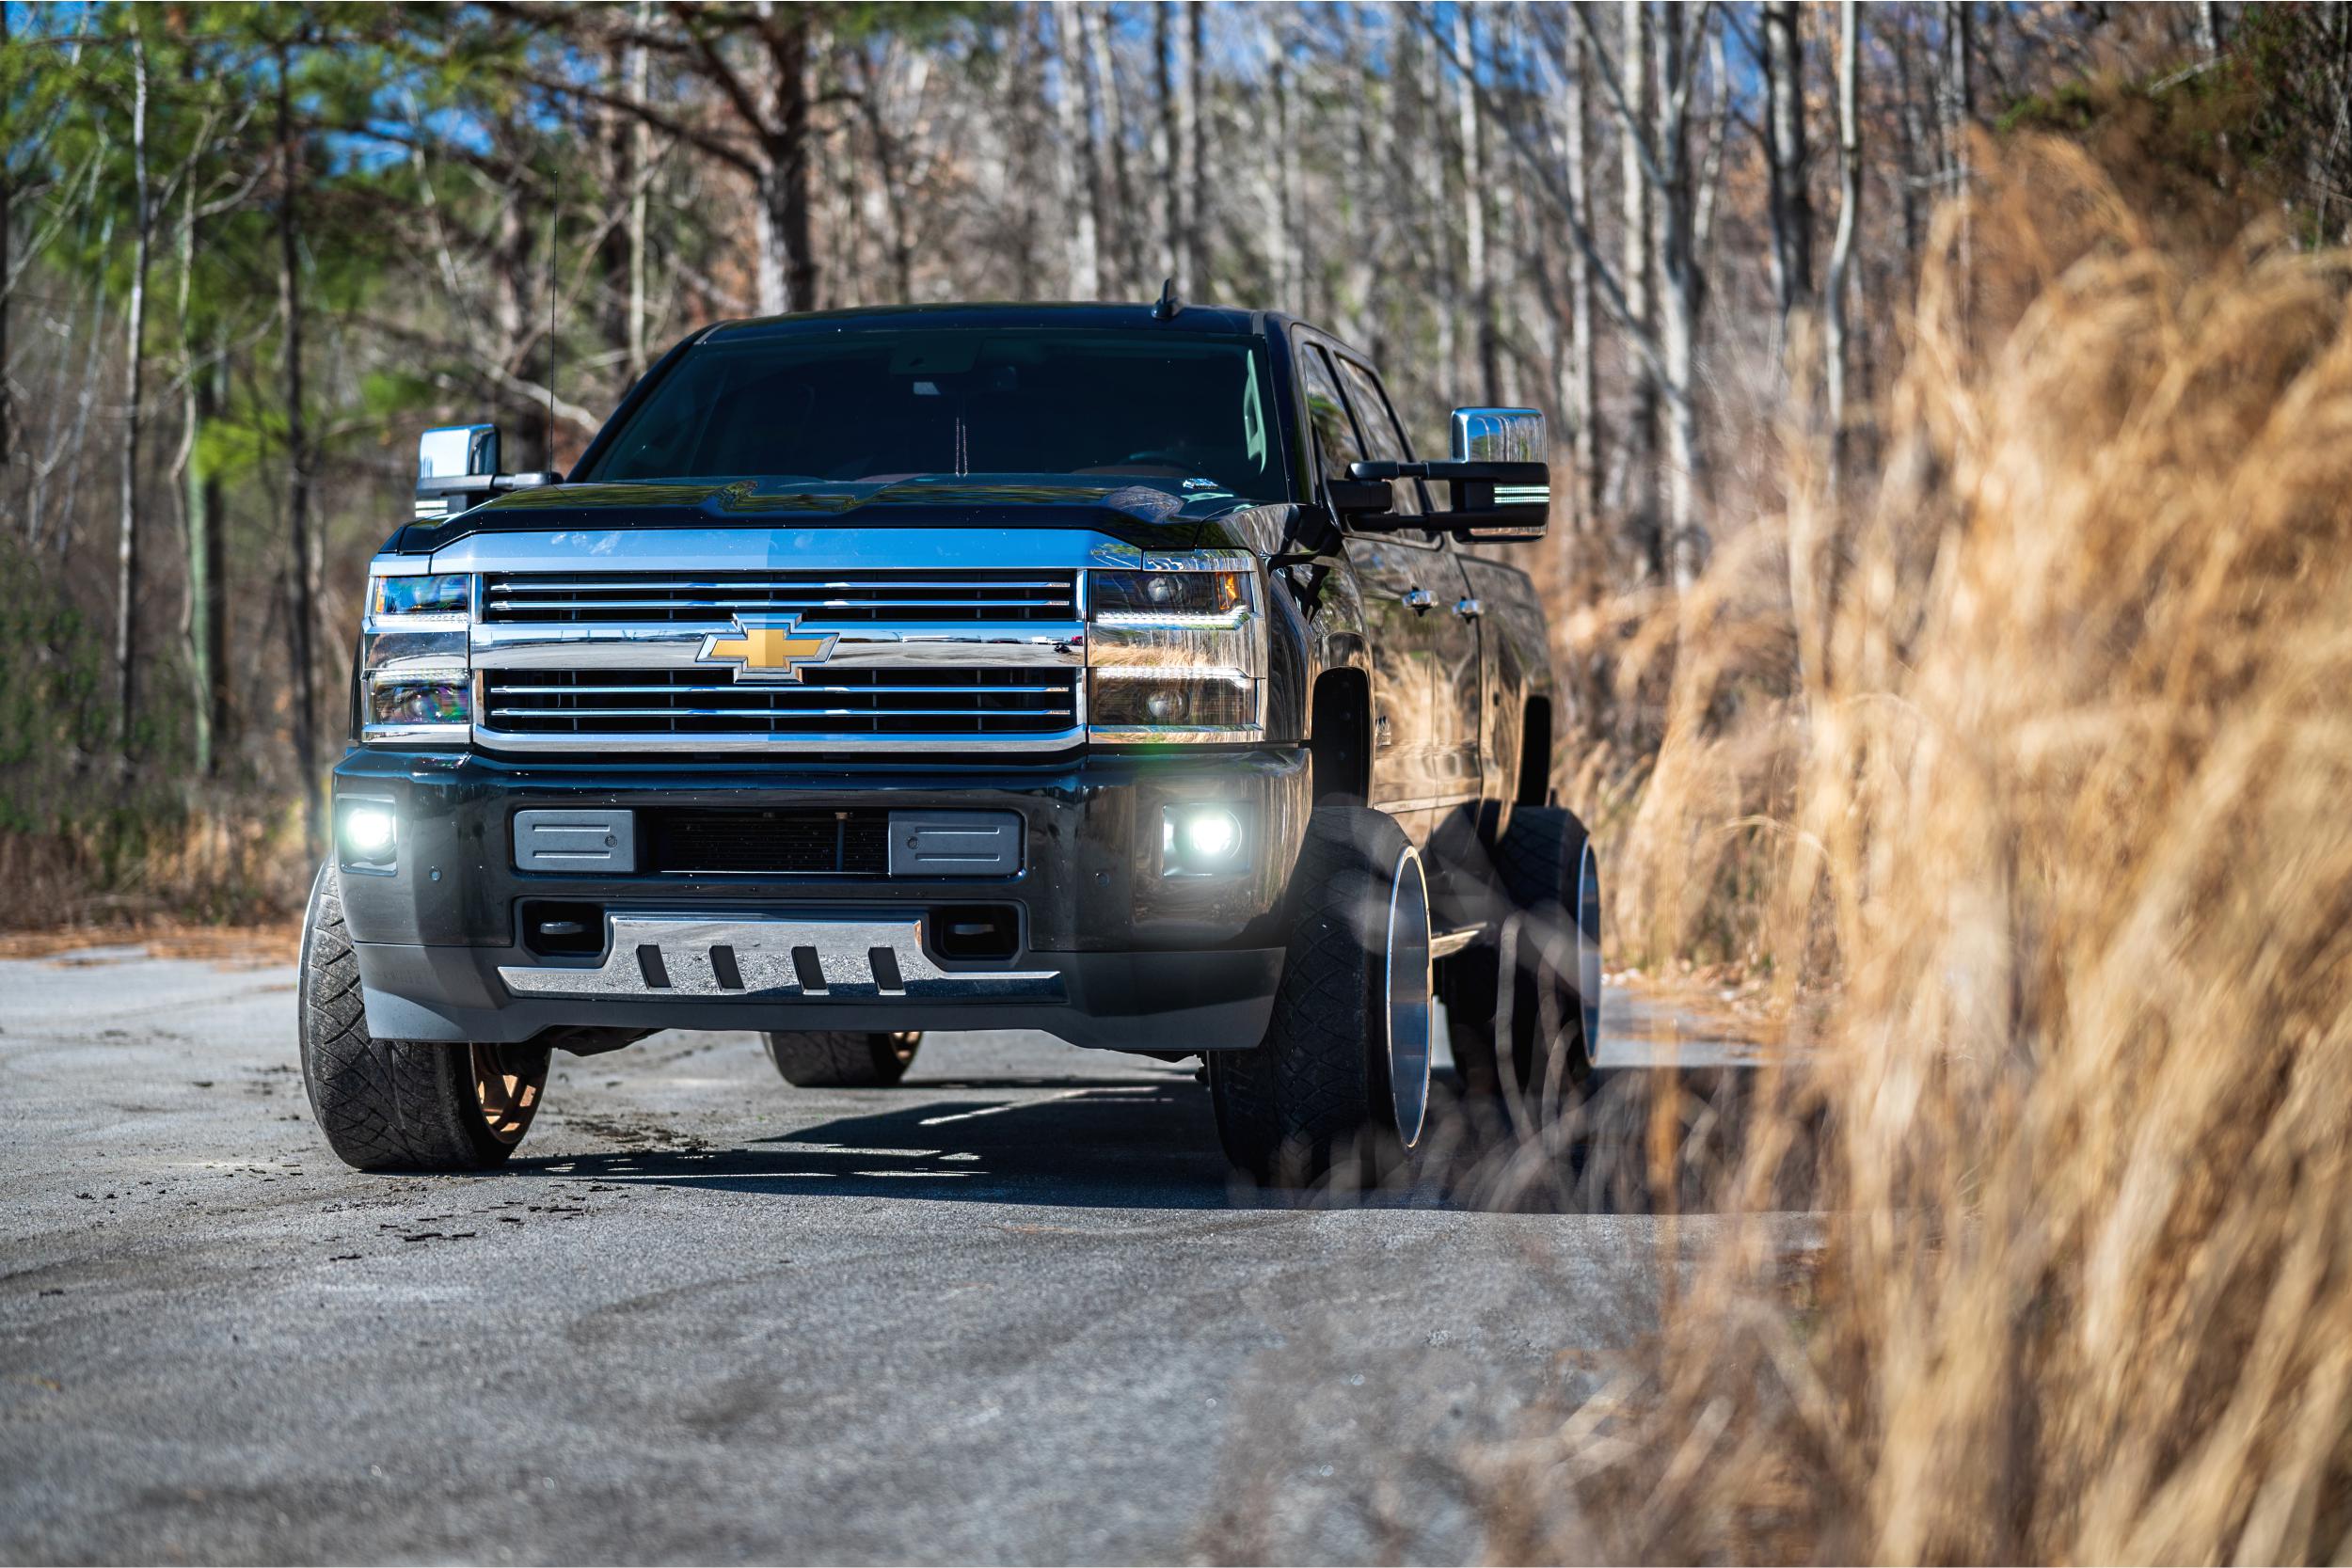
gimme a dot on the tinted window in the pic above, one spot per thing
(1381, 433)
(855, 405)
(1335, 437)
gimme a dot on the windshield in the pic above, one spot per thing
(879, 405)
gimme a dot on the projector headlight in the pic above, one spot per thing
(1176, 649)
(416, 687)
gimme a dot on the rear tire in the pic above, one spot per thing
(1533, 1042)
(400, 1104)
(1341, 1083)
(842, 1058)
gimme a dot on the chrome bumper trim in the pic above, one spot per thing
(853, 959)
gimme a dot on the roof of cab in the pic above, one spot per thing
(1188, 318)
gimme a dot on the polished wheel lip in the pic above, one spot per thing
(1409, 1088)
(1588, 981)
(507, 1100)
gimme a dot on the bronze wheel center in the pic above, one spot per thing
(505, 1091)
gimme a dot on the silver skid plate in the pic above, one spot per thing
(774, 957)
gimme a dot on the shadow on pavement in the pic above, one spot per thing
(1643, 1141)
(1116, 1143)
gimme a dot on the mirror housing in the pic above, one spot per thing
(457, 468)
(1501, 481)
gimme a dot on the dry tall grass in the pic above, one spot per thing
(2065, 803)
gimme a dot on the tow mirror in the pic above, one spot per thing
(1502, 483)
(457, 468)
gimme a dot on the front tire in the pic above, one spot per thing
(1342, 1080)
(400, 1104)
(843, 1058)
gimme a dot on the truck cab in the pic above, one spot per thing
(1113, 670)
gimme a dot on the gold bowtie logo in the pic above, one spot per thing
(763, 648)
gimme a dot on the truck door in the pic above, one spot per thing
(1450, 624)
(1401, 586)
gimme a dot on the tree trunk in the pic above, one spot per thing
(639, 161)
(1289, 288)
(1168, 144)
(1195, 104)
(1642, 422)
(1679, 289)
(1076, 180)
(302, 570)
(788, 258)
(1848, 209)
(1472, 174)
(1580, 397)
(134, 352)
(1788, 201)
(1102, 79)
(1957, 100)
(7, 293)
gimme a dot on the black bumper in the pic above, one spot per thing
(1111, 953)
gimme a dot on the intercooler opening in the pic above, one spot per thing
(784, 843)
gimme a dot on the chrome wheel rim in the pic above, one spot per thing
(1405, 988)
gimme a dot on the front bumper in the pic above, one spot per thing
(1110, 952)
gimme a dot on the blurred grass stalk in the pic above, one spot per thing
(2047, 780)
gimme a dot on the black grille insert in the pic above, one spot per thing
(812, 843)
(969, 700)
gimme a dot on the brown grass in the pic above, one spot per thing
(2057, 789)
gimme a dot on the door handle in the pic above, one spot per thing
(1469, 609)
(1418, 598)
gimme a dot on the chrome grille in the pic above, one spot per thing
(833, 598)
(849, 703)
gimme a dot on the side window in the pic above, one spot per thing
(1381, 433)
(1335, 437)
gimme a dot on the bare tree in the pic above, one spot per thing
(1075, 177)
(134, 395)
(1580, 395)
(1790, 203)
(302, 564)
(1474, 181)
(1848, 209)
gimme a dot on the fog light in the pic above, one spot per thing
(1205, 840)
(371, 833)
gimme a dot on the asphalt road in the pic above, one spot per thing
(1012, 1310)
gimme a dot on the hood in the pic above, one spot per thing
(1152, 514)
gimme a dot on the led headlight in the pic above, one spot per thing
(415, 684)
(1205, 838)
(370, 830)
(1176, 649)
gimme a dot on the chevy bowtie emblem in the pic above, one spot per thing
(763, 648)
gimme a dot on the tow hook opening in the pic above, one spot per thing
(555, 928)
(974, 931)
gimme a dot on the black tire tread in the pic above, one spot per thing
(1288, 1108)
(837, 1058)
(382, 1104)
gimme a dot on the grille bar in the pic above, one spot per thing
(855, 598)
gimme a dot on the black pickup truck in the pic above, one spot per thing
(1112, 671)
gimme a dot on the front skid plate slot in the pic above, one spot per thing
(775, 957)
